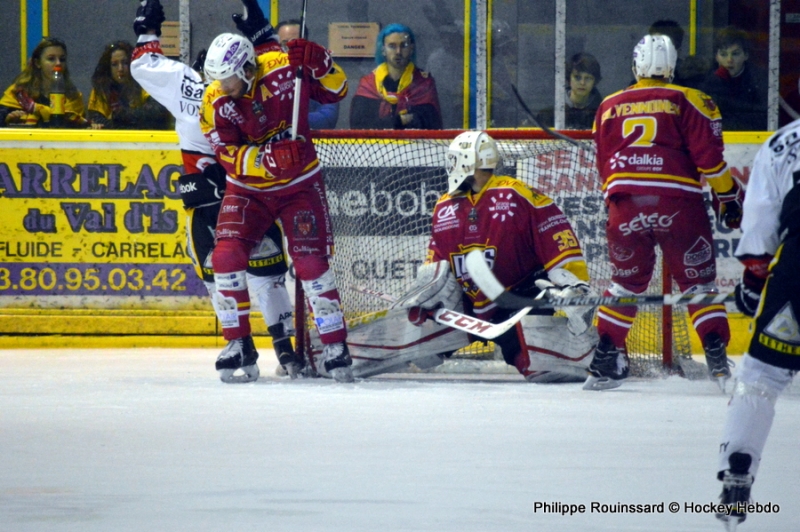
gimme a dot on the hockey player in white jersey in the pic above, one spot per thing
(770, 291)
(179, 88)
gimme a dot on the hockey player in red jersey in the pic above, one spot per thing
(530, 246)
(179, 88)
(655, 143)
(246, 115)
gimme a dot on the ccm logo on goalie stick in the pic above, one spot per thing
(465, 322)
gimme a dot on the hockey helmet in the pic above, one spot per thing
(469, 151)
(653, 56)
(227, 56)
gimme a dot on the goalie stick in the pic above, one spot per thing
(494, 290)
(546, 129)
(457, 320)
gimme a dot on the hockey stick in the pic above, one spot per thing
(491, 287)
(298, 77)
(556, 134)
(457, 320)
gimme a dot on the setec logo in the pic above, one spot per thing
(643, 222)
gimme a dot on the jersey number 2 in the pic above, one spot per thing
(647, 126)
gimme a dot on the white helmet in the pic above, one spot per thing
(654, 55)
(228, 55)
(468, 151)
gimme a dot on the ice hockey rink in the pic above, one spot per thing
(151, 440)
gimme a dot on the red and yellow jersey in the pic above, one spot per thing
(236, 128)
(519, 230)
(658, 138)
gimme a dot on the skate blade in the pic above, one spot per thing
(601, 383)
(721, 382)
(249, 374)
(292, 369)
(342, 374)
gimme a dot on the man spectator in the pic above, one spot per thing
(320, 115)
(397, 94)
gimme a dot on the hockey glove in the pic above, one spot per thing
(728, 206)
(748, 291)
(312, 57)
(579, 318)
(418, 315)
(253, 24)
(149, 16)
(198, 190)
(283, 156)
(25, 102)
(199, 61)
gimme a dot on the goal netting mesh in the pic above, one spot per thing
(382, 187)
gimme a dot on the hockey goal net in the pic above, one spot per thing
(382, 186)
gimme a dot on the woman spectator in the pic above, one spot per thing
(117, 101)
(27, 101)
(583, 98)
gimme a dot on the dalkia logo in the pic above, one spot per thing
(645, 160)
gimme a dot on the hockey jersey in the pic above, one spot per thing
(519, 230)
(657, 138)
(772, 203)
(237, 128)
(178, 88)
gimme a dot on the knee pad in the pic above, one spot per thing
(757, 378)
(319, 285)
(230, 256)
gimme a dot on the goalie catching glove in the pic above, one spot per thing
(435, 287)
(312, 57)
(149, 16)
(728, 206)
(564, 284)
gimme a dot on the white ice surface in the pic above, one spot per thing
(150, 440)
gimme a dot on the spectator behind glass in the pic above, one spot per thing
(117, 101)
(583, 98)
(737, 87)
(27, 101)
(397, 94)
(691, 70)
(320, 116)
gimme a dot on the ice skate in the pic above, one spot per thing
(736, 484)
(289, 362)
(336, 358)
(717, 360)
(239, 354)
(608, 368)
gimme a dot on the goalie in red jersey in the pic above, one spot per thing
(655, 142)
(273, 174)
(531, 247)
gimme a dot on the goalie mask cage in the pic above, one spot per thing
(382, 187)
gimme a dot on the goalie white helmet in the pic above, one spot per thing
(468, 151)
(228, 55)
(653, 56)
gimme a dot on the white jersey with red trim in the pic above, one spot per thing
(177, 87)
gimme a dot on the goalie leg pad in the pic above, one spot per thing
(435, 286)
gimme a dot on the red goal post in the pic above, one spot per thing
(382, 186)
